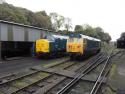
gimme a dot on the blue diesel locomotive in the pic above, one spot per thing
(51, 46)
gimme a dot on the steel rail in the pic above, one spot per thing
(85, 68)
(82, 74)
(36, 81)
(96, 85)
(30, 84)
(91, 60)
(16, 91)
(26, 75)
(100, 78)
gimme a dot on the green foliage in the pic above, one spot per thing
(93, 32)
(20, 15)
(57, 21)
(123, 34)
(79, 29)
(68, 24)
(44, 20)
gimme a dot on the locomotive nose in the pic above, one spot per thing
(42, 45)
(75, 48)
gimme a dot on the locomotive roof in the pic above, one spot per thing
(60, 36)
(90, 38)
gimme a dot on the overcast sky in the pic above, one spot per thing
(108, 14)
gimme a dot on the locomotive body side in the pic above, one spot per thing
(92, 47)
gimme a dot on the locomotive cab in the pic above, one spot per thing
(42, 45)
(75, 45)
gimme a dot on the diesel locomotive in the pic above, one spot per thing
(51, 46)
(81, 46)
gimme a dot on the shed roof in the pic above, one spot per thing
(19, 24)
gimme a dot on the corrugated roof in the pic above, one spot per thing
(19, 24)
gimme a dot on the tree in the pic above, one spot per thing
(20, 15)
(97, 32)
(68, 24)
(100, 32)
(123, 34)
(78, 29)
(43, 19)
(102, 35)
(42, 13)
(57, 21)
(86, 30)
(89, 30)
(107, 37)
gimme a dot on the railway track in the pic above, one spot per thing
(26, 83)
(12, 78)
(43, 82)
(6, 80)
(101, 76)
(104, 72)
(90, 66)
(63, 82)
(68, 86)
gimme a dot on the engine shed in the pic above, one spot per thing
(18, 39)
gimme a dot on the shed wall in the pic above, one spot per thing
(33, 34)
(10, 32)
(18, 33)
(4, 32)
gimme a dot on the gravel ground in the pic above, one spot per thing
(8, 67)
(116, 79)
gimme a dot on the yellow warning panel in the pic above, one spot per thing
(75, 47)
(42, 45)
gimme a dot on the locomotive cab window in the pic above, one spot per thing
(76, 40)
(70, 40)
(49, 38)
